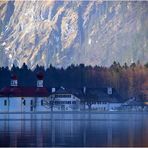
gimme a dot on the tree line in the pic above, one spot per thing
(129, 81)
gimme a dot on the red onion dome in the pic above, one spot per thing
(40, 75)
(13, 77)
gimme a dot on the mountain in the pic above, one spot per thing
(65, 32)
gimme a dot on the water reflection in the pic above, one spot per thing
(74, 130)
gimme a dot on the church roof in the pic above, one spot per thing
(93, 94)
(61, 90)
(24, 92)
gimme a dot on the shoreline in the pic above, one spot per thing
(76, 112)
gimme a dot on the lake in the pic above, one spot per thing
(74, 129)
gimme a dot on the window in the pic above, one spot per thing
(68, 102)
(42, 102)
(62, 96)
(59, 102)
(5, 102)
(56, 102)
(31, 102)
(67, 96)
(51, 102)
(31, 108)
(73, 102)
(24, 102)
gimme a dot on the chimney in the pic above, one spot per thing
(40, 77)
(84, 89)
(53, 90)
(109, 90)
(14, 81)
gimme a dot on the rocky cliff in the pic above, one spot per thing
(65, 32)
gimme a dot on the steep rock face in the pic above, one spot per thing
(66, 32)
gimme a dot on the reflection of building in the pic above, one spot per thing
(75, 130)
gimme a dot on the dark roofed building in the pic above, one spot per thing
(102, 98)
(96, 94)
(89, 97)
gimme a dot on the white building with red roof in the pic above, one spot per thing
(23, 99)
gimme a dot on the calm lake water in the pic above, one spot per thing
(85, 129)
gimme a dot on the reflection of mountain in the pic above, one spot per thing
(67, 32)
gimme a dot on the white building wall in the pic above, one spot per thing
(114, 106)
(27, 106)
(15, 104)
(64, 106)
(100, 106)
(3, 107)
(36, 105)
(23, 104)
(40, 105)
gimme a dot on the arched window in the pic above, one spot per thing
(5, 102)
(24, 102)
(42, 102)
